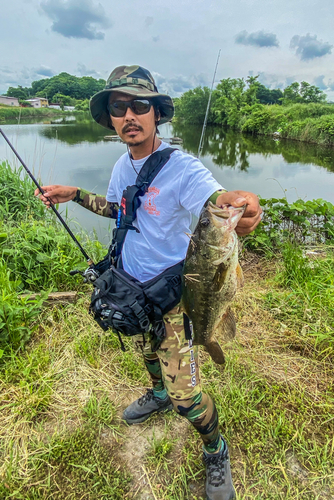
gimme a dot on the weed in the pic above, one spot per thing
(71, 467)
(303, 297)
(99, 411)
(304, 222)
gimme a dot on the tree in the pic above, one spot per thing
(64, 83)
(302, 93)
(233, 99)
(267, 96)
(63, 100)
(19, 92)
(82, 105)
(191, 106)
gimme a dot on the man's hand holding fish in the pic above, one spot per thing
(252, 214)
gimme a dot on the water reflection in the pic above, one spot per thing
(82, 130)
(233, 149)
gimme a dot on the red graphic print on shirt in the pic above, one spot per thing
(149, 205)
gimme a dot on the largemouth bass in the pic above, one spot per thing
(211, 277)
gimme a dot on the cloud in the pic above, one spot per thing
(319, 82)
(308, 47)
(271, 81)
(76, 18)
(44, 71)
(148, 21)
(82, 70)
(330, 85)
(24, 76)
(257, 39)
(156, 38)
(179, 84)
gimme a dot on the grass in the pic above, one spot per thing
(302, 297)
(312, 123)
(8, 113)
(70, 386)
(36, 255)
(64, 384)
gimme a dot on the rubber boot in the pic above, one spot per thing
(141, 409)
(219, 484)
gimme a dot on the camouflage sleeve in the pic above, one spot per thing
(96, 203)
(214, 196)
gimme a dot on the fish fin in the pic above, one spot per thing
(215, 352)
(227, 328)
(240, 276)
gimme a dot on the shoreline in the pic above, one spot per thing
(11, 113)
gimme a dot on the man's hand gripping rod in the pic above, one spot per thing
(90, 274)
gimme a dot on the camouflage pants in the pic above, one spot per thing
(175, 367)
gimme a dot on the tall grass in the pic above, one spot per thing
(7, 113)
(36, 254)
(16, 195)
(304, 298)
(304, 122)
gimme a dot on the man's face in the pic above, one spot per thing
(133, 129)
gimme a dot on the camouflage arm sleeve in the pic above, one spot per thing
(96, 203)
(214, 196)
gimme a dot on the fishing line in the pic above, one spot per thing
(89, 260)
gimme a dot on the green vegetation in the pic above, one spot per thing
(64, 382)
(302, 222)
(9, 113)
(63, 89)
(299, 112)
(59, 87)
(36, 255)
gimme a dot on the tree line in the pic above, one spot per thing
(232, 99)
(236, 98)
(63, 89)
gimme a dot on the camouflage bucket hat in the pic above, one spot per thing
(135, 81)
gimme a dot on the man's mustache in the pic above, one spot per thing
(129, 126)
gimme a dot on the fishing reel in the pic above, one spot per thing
(90, 275)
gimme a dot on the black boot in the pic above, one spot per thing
(141, 409)
(219, 485)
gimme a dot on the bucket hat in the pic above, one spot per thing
(135, 81)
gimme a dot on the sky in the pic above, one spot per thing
(178, 41)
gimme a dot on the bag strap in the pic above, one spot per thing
(130, 199)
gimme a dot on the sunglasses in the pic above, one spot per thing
(138, 106)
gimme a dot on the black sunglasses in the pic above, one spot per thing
(138, 106)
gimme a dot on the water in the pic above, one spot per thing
(75, 153)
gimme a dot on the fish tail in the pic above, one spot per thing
(216, 352)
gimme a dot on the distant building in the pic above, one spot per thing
(69, 108)
(9, 101)
(38, 102)
(54, 106)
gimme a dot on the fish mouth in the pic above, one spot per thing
(227, 216)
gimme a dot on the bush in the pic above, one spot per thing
(36, 254)
(301, 221)
(16, 194)
(303, 122)
(17, 315)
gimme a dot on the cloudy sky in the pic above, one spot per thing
(178, 41)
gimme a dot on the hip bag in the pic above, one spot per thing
(129, 307)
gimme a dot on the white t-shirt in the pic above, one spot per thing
(180, 189)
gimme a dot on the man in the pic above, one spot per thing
(132, 105)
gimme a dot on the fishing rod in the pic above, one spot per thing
(88, 259)
(200, 147)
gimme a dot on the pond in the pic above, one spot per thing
(74, 152)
